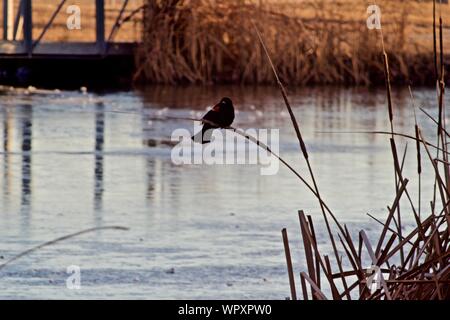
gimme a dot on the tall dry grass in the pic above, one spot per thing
(410, 266)
(317, 42)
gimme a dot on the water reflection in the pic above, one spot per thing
(98, 167)
(201, 97)
(26, 122)
(7, 140)
(317, 109)
(70, 163)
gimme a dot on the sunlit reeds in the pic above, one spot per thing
(414, 266)
(317, 42)
(410, 265)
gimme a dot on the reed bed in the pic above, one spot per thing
(317, 42)
(401, 264)
(410, 266)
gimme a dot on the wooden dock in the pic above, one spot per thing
(70, 50)
(27, 60)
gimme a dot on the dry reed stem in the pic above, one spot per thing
(287, 252)
(306, 157)
(48, 243)
(418, 265)
(205, 41)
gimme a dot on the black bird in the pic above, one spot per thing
(222, 114)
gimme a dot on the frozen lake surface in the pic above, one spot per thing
(70, 161)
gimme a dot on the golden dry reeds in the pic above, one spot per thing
(317, 42)
(410, 266)
(401, 264)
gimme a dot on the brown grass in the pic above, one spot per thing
(317, 42)
(415, 266)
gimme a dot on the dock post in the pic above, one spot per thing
(100, 24)
(8, 19)
(28, 26)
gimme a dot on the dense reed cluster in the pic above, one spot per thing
(317, 42)
(413, 265)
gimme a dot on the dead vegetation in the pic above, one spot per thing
(412, 265)
(317, 42)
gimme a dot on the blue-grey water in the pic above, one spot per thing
(71, 161)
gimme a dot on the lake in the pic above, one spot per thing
(76, 160)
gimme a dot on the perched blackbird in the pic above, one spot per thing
(222, 114)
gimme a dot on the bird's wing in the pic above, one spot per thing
(212, 116)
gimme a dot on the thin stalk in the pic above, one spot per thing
(287, 252)
(436, 74)
(383, 133)
(301, 142)
(48, 243)
(419, 161)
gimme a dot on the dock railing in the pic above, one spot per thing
(26, 26)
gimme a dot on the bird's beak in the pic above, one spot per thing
(216, 108)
